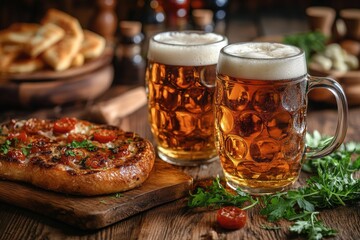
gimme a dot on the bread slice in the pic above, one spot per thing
(18, 33)
(70, 24)
(44, 37)
(60, 55)
(78, 60)
(6, 58)
(93, 45)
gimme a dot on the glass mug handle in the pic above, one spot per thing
(335, 88)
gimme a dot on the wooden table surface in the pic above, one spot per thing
(175, 220)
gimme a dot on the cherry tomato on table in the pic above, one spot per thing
(104, 135)
(231, 217)
(64, 125)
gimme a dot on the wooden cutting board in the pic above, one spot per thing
(165, 183)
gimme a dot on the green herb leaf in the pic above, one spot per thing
(4, 148)
(70, 153)
(216, 195)
(310, 42)
(117, 195)
(83, 144)
(312, 228)
(26, 149)
(333, 184)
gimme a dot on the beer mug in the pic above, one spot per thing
(180, 79)
(260, 115)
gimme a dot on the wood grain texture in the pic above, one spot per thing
(174, 220)
(57, 92)
(164, 184)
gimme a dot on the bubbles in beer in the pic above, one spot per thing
(291, 99)
(197, 100)
(292, 147)
(180, 77)
(185, 76)
(237, 97)
(206, 124)
(235, 148)
(184, 123)
(299, 121)
(264, 139)
(250, 124)
(264, 150)
(168, 98)
(207, 76)
(279, 125)
(266, 100)
(181, 111)
(226, 119)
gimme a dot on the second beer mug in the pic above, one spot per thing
(180, 80)
(260, 104)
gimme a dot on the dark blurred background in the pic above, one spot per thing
(245, 19)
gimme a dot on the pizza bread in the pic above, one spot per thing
(93, 45)
(73, 156)
(45, 36)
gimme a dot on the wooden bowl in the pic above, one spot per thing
(350, 82)
(49, 88)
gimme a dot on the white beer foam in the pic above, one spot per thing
(263, 61)
(186, 48)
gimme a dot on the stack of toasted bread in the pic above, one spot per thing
(58, 42)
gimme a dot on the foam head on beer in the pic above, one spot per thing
(262, 61)
(186, 48)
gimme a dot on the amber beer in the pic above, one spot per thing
(260, 108)
(180, 80)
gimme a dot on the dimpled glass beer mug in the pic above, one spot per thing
(180, 79)
(260, 107)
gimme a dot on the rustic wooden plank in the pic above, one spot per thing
(164, 184)
(174, 220)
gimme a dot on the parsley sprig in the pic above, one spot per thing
(83, 144)
(4, 148)
(310, 42)
(333, 184)
(312, 227)
(216, 195)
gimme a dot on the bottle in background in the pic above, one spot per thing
(220, 13)
(203, 20)
(130, 64)
(177, 14)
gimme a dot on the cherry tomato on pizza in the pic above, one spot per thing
(96, 161)
(16, 154)
(231, 217)
(20, 136)
(64, 125)
(104, 135)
